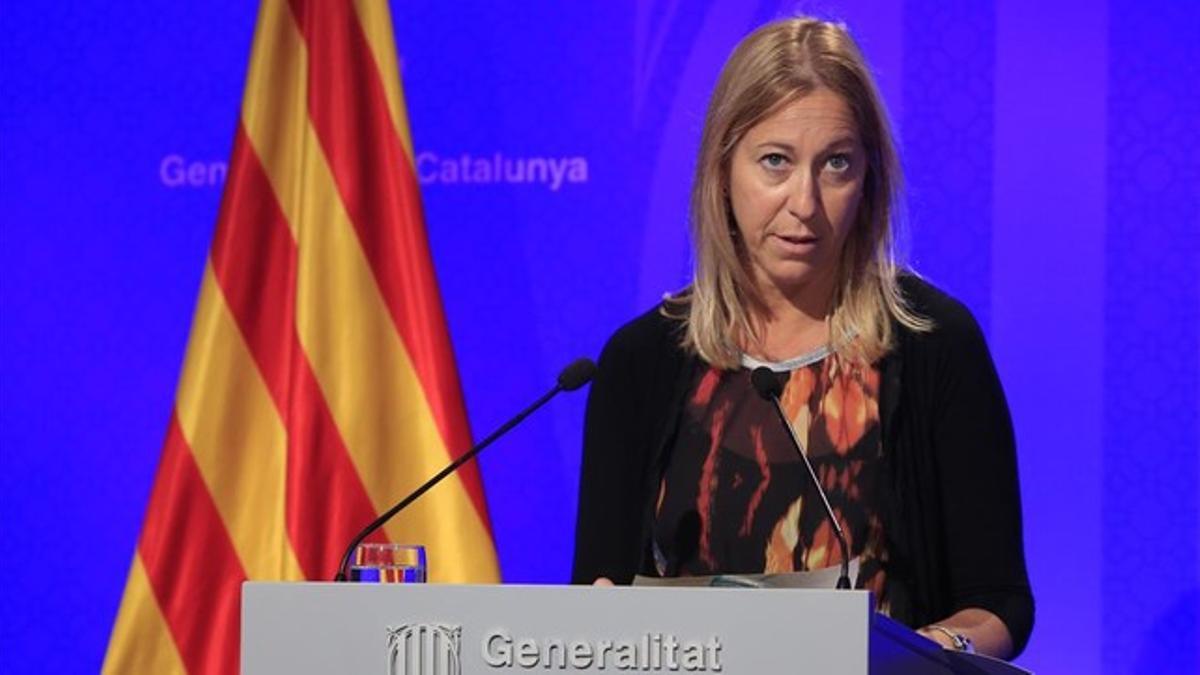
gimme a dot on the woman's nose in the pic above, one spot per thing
(803, 197)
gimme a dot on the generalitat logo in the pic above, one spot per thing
(424, 649)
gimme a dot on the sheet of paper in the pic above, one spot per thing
(823, 578)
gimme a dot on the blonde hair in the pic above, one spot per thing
(774, 65)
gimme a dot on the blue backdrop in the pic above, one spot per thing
(1053, 162)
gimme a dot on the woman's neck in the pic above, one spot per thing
(793, 323)
(788, 334)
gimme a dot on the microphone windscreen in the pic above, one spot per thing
(766, 382)
(579, 373)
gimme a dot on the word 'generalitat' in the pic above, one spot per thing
(653, 652)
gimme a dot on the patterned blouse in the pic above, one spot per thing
(735, 497)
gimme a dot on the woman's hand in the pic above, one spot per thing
(987, 633)
(603, 581)
(937, 636)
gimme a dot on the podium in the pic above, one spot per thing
(428, 629)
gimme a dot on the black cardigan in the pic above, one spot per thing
(952, 509)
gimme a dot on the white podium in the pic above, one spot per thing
(427, 629)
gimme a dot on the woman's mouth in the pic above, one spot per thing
(798, 243)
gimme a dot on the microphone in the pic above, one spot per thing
(768, 386)
(574, 376)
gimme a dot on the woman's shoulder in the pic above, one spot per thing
(954, 343)
(647, 349)
(661, 325)
(949, 316)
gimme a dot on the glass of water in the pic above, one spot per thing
(388, 564)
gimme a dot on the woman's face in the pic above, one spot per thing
(795, 182)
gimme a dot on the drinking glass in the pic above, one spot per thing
(388, 564)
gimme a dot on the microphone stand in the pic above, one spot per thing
(769, 389)
(573, 377)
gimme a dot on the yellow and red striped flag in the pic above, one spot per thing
(319, 385)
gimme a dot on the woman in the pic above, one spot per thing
(887, 380)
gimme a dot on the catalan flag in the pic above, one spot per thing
(319, 385)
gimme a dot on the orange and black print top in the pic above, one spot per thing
(734, 497)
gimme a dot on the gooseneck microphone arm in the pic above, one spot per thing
(768, 386)
(572, 377)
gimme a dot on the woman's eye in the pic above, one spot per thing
(838, 163)
(774, 160)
